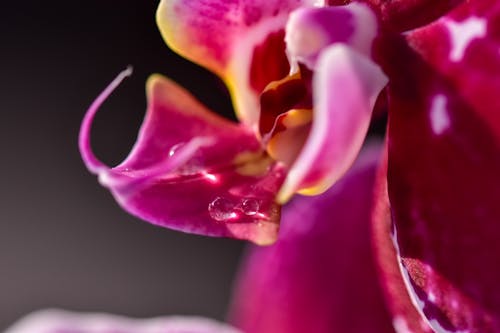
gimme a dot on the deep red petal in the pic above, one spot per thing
(402, 15)
(444, 162)
(406, 318)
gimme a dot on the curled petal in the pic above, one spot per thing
(320, 276)
(242, 41)
(91, 161)
(193, 171)
(58, 321)
(444, 157)
(311, 30)
(346, 87)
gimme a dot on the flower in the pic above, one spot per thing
(437, 194)
(318, 277)
(194, 171)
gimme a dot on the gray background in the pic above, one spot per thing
(64, 242)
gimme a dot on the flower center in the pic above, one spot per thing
(286, 115)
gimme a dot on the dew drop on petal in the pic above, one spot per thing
(250, 207)
(222, 209)
(175, 148)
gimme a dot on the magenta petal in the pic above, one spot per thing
(444, 162)
(193, 171)
(320, 276)
(59, 321)
(241, 41)
(208, 31)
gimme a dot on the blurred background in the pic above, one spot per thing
(64, 242)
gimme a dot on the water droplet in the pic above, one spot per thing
(250, 207)
(175, 148)
(222, 209)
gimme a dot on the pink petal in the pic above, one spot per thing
(242, 41)
(444, 159)
(193, 171)
(311, 30)
(345, 87)
(59, 321)
(320, 276)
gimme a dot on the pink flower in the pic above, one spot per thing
(319, 276)
(194, 171)
(435, 197)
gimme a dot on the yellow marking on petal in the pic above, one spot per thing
(241, 101)
(315, 189)
(284, 195)
(297, 117)
(254, 164)
(275, 84)
(184, 39)
(285, 145)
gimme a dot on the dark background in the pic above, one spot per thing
(64, 242)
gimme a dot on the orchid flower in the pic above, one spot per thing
(304, 80)
(318, 277)
(300, 127)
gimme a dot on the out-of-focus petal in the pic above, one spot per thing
(242, 41)
(310, 30)
(193, 171)
(402, 15)
(345, 87)
(59, 321)
(320, 276)
(444, 162)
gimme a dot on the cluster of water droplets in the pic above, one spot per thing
(221, 209)
(224, 209)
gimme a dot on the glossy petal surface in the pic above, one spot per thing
(320, 276)
(444, 162)
(242, 41)
(402, 15)
(345, 87)
(58, 321)
(193, 171)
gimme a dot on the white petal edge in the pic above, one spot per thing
(53, 321)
